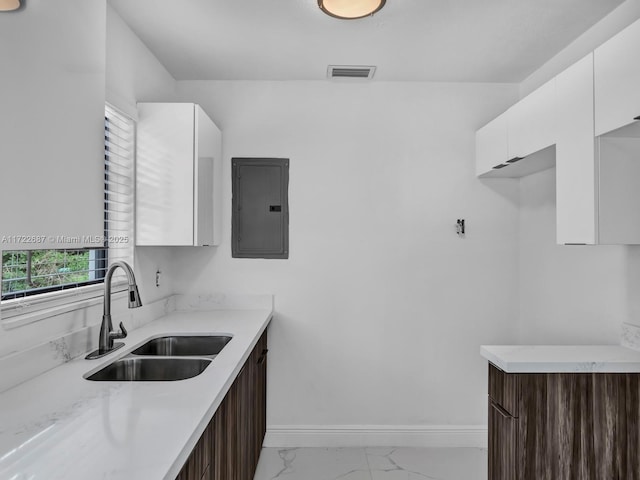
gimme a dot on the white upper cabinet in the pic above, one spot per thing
(576, 182)
(618, 179)
(178, 176)
(532, 122)
(517, 142)
(617, 80)
(492, 145)
(52, 104)
(597, 178)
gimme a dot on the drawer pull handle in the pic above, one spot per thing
(637, 118)
(500, 410)
(502, 165)
(263, 356)
(515, 159)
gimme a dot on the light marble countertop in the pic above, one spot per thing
(61, 426)
(563, 358)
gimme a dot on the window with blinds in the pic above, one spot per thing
(119, 150)
(26, 273)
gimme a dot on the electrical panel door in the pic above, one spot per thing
(260, 224)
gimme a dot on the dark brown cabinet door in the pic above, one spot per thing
(556, 427)
(631, 461)
(197, 465)
(610, 421)
(260, 396)
(503, 443)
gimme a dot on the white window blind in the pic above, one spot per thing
(119, 136)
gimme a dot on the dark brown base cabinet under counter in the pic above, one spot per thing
(564, 426)
(230, 446)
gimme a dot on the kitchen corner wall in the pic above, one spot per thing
(381, 308)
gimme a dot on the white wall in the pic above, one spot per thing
(569, 294)
(381, 308)
(132, 74)
(51, 119)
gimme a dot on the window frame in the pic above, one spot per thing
(35, 307)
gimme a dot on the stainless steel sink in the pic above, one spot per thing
(141, 369)
(183, 346)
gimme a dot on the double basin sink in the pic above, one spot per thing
(168, 358)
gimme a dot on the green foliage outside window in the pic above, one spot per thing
(48, 268)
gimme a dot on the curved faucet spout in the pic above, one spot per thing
(107, 335)
(133, 295)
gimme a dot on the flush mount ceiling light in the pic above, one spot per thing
(9, 5)
(350, 9)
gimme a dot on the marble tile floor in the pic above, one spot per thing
(372, 463)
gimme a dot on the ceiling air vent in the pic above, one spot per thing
(350, 71)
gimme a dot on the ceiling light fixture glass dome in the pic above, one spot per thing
(350, 9)
(9, 5)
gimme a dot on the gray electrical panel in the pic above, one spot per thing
(260, 208)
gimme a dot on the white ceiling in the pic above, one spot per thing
(445, 40)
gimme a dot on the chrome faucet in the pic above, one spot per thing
(107, 335)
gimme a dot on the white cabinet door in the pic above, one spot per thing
(597, 194)
(208, 165)
(491, 145)
(164, 174)
(178, 177)
(617, 80)
(576, 200)
(531, 122)
(619, 195)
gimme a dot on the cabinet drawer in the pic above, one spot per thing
(504, 389)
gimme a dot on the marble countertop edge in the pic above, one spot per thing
(563, 358)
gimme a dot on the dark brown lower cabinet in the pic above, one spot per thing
(198, 463)
(563, 426)
(230, 446)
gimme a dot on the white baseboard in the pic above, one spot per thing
(288, 436)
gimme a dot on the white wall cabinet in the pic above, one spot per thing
(492, 145)
(589, 112)
(617, 80)
(618, 192)
(516, 142)
(576, 181)
(532, 122)
(596, 177)
(178, 176)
